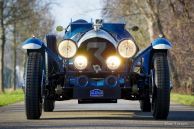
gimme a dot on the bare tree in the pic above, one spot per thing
(172, 18)
(33, 18)
(19, 20)
(2, 43)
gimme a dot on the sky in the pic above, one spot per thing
(66, 10)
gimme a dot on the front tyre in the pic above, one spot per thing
(161, 86)
(34, 78)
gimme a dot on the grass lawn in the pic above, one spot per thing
(10, 97)
(182, 99)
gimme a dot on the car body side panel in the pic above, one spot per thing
(144, 56)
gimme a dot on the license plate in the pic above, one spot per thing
(96, 93)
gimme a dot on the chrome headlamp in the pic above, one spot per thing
(127, 48)
(80, 62)
(113, 62)
(67, 48)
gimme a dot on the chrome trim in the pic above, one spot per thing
(97, 34)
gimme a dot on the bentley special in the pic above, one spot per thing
(96, 62)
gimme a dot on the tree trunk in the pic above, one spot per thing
(14, 57)
(154, 27)
(2, 44)
(174, 76)
(159, 25)
(150, 29)
(2, 63)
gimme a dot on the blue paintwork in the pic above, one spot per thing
(77, 28)
(80, 27)
(146, 56)
(33, 40)
(117, 30)
(161, 41)
(146, 61)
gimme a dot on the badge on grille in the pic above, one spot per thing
(97, 68)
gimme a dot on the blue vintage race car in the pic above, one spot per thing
(94, 63)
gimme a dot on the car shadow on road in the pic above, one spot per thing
(122, 115)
